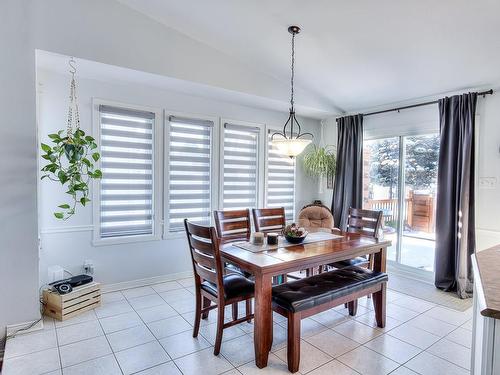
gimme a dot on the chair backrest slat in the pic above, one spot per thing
(205, 254)
(233, 225)
(204, 260)
(365, 222)
(206, 274)
(269, 219)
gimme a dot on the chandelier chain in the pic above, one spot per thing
(291, 140)
(293, 71)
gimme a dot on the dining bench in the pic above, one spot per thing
(300, 299)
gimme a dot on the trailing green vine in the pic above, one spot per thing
(71, 161)
(320, 161)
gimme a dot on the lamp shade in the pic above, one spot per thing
(290, 147)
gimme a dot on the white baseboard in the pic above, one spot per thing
(144, 282)
(486, 238)
(14, 327)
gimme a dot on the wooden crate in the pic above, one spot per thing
(65, 306)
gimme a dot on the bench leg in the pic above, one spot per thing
(293, 347)
(379, 302)
(353, 307)
(234, 308)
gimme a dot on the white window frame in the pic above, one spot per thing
(261, 161)
(157, 175)
(276, 129)
(214, 198)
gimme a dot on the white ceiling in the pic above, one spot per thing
(353, 54)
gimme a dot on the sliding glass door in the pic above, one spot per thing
(381, 185)
(400, 179)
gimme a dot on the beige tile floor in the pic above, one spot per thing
(147, 330)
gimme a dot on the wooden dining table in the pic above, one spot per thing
(268, 263)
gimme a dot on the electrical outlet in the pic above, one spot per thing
(88, 267)
(487, 182)
(55, 273)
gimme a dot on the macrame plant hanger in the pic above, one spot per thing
(73, 112)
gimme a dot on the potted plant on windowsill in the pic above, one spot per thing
(320, 162)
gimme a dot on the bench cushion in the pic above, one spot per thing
(234, 286)
(316, 290)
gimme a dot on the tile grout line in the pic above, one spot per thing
(58, 347)
(149, 329)
(110, 347)
(425, 350)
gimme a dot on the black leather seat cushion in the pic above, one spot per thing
(316, 290)
(358, 261)
(234, 286)
(231, 268)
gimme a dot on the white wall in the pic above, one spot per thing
(109, 32)
(488, 199)
(18, 224)
(69, 243)
(329, 138)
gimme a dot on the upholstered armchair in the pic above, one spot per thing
(314, 216)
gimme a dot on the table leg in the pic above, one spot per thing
(263, 322)
(379, 298)
(380, 260)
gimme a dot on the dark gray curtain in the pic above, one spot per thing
(455, 234)
(348, 186)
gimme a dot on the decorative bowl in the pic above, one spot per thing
(296, 240)
(294, 234)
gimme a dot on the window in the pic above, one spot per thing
(209, 163)
(127, 190)
(190, 171)
(280, 180)
(240, 166)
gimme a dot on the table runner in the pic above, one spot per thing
(282, 242)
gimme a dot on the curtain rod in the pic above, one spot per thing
(482, 93)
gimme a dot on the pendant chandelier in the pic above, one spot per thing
(291, 141)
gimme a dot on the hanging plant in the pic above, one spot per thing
(71, 158)
(320, 161)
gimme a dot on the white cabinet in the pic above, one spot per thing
(485, 336)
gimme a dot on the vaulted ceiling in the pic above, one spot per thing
(350, 54)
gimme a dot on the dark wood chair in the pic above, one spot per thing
(233, 225)
(269, 220)
(367, 223)
(211, 285)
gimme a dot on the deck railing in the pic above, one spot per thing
(418, 211)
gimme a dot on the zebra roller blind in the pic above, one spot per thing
(280, 190)
(241, 145)
(126, 189)
(190, 171)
